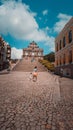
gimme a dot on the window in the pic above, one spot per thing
(64, 59)
(57, 62)
(8, 51)
(60, 44)
(33, 54)
(70, 36)
(39, 53)
(26, 53)
(64, 41)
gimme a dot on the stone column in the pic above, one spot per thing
(56, 61)
(59, 60)
(67, 57)
(62, 60)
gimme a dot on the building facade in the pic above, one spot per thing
(64, 50)
(33, 50)
(5, 54)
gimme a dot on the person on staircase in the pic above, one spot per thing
(35, 73)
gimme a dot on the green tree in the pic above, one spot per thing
(50, 57)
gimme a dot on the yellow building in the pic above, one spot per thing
(64, 50)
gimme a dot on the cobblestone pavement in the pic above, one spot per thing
(46, 104)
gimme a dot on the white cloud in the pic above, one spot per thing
(19, 21)
(16, 53)
(47, 28)
(45, 12)
(46, 31)
(63, 19)
(50, 43)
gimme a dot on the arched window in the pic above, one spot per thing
(60, 44)
(64, 41)
(26, 53)
(70, 36)
(70, 57)
(39, 54)
(64, 59)
(57, 62)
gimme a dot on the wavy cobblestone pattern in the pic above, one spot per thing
(46, 104)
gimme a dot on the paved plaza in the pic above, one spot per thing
(46, 104)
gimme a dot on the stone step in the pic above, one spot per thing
(27, 65)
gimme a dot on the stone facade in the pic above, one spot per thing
(5, 53)
(33, 50)
(64, 50)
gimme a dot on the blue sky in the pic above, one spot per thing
(24, 21)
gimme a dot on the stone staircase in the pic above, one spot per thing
(27, 65)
